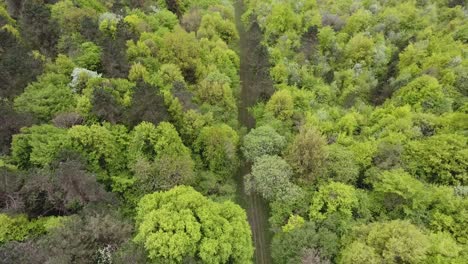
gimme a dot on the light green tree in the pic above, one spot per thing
(213, 26)
(89, 56)
(438, 159)
(334, 197)
(387, 242)
(217, 146)
(281, 105)
(158, 157)
(38, 145)
(424, 94)
(103, 146)
(181, 224)
(47, 97)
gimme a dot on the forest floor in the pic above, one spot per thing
(255, 85)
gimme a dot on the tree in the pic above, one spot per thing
(261, 141)
(11, 122)
(313, 256)
(114, 60)
(158, 157)
(424, 94)
(38, 145)
(360, 48)
(147, 105)
(89, 56)
(89, 237)
(103, 146)
(358, 22)
(281, 105)
(438, 159)
(105, 107)
(63, 190)
(14, 59)
(217, 145)
(215, 90)
(307, 153)
(47, 97)
(182, 49)
(20, 228)
(14, 228)
(389, 242)
(444, 249)
(341, 164)
(37, 27)
(108, 98)
(359, 252)
(400, 194)
(67, 120)
(282, 19)
(296, 245)
(271, 178)
(181, 224)
(10, 183)
(334, 197)
(213, 26)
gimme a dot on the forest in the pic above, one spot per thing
(234, 131)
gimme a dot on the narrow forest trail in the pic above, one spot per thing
(256, 84)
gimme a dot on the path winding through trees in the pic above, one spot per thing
(256, 84)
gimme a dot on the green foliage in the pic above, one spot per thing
(295, 221)
(444, 249)
(271, 178)
(181, 224)
(149, 142)
(360, 49)
(287, 247)
(400, 194)
(389, 242)
(217, 146)
(142, 22)
(47, 97)
(215, 90)
(341, 164)
(213, 26)
(281, 105)
(180, 48)
(261, 141)
(90, 56)
(14, 228)
(334, 197)
(358, 21)
(360, 151)
(38, 145)
(307, 153)
(103, 146)
(424, 94)
(438, 159)
(158, 157)
(69, 14)
(19, 228)
(108, 24)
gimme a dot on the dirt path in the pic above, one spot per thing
(255, 85)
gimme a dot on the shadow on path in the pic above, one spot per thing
(255, 85)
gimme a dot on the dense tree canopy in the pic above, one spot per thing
(366, 95)
(130, 128)
(181, 224)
